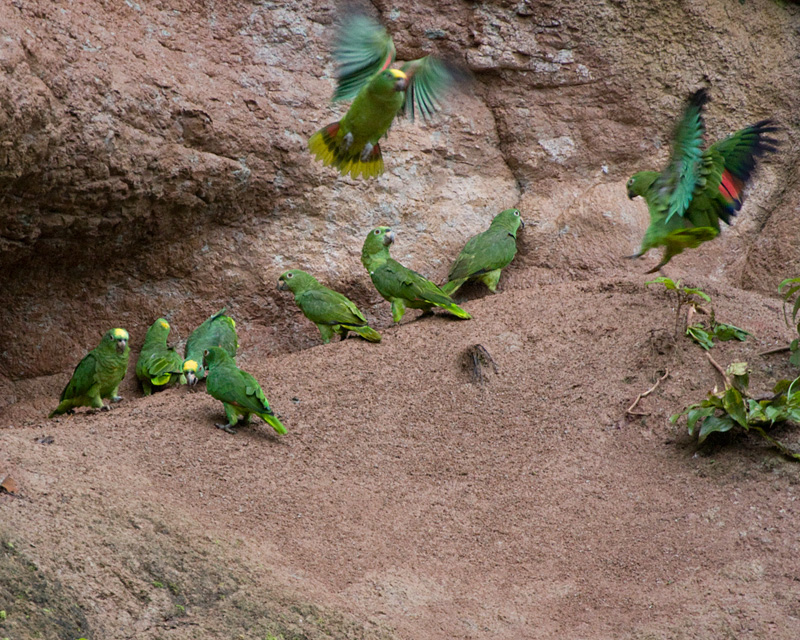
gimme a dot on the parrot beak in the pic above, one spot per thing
(282, 286)
(121, 344)
(388, 238)
(401, 84)
(191, 379)
(521, 224)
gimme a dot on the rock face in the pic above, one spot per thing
(153, 155)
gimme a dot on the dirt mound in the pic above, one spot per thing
(423, 502)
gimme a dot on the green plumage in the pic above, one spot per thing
(332, 312)
(698, 188)
(486, 254)
(364, 52)
(217, 331)
(399, 285)
(158, 365)
(98, 375)
(238, 391)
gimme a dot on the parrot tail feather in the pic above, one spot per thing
(457, 311)
(452, 286)
(327, 148)
(365, 331)
(272, 420)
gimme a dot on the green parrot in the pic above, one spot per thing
(364, 52)
(399, 285)
(158, 365)
(487, 254)
(217, 331)
(98, 375)
(698, 188)
(328, 309)
(238, 391)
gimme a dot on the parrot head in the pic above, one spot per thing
(193, 372)
(295, 280)
(214, 356)
(390, 80)
(120, 339)
(509, 219)
(640, 182)
(158, 330)
(378, 239)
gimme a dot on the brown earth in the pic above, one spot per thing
(153, 162)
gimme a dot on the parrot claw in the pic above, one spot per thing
(367, 150)
(116, 399)
(225, 427)
(347, 141)
(105, 407)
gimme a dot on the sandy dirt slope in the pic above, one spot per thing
(410, 501)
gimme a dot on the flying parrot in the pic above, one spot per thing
(238, 391)
(487, 254)
(364, 52)
(399, 285)
(98, 375)
(217, 331)
(158, 365)
(698, 188)
(331, 311)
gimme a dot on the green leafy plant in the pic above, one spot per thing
(732, 408)
(704, 331)
(789, 289)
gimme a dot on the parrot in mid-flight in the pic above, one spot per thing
(399, 285)
(331, 311)
(98, 375)
(364, 52)
(698, 188)
(217, 331)
(158, 365)
(238, 391)
(487, 254)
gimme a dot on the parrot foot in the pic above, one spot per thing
(105, 407)
(116, 399)
(225, 427)
(367, 150)
(70, 412)
(347, 141)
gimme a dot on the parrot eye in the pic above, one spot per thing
(516, 213)
(288, 275)
(630, 182)
(377, 232)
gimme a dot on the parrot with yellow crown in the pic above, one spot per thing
(98, 375)
(158, 365)
(364, 52)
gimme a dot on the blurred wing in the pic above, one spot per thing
(429, 79)
(677, 182)
(362, 49)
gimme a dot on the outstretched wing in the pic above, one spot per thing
(362, 48)
(732, 162)
(676, 184)
(429, 79)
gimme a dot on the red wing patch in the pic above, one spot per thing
(730, 187)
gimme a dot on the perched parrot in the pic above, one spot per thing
(158, 365)
(698, 188)
(399, 285)
(238, 391)
(98, 375)
(487, 254)
(364, 52)
(328, 309)
(217, 331)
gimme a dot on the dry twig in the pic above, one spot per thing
(631, 411)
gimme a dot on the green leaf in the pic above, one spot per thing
(725, 332)
(776, 412)
(755, 413)
(691, 291)
(795, 357)
(667, 282)
(698, 333)
(696, 414)
(734, 406)
(714, 424)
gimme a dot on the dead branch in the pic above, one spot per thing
(631, 411)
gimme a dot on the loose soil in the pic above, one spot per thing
(415, 499)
